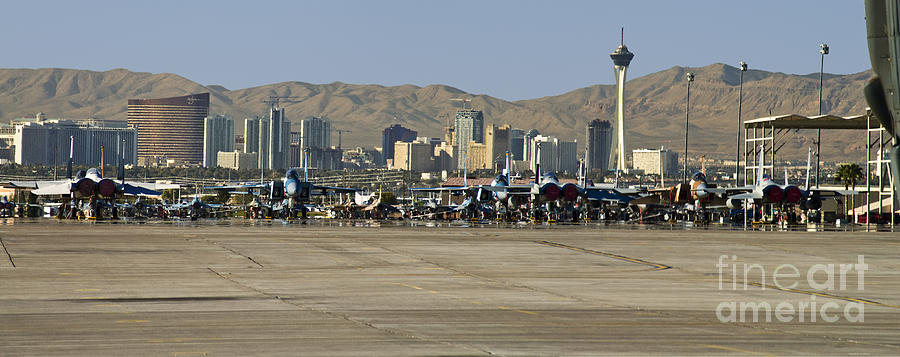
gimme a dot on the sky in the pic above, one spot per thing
(508, 49)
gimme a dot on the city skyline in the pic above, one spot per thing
(368, 42)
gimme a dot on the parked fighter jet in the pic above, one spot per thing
(283, 198)
(193, 210)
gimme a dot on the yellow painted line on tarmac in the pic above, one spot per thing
(94, 297)
(655, 266)
(817, 293)
(432, 268)
(69, 274)
(131, 321)
(86, 290)
(190, 353)
(732, 349)
(501, 307)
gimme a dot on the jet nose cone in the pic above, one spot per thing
(292, 188)
(701, 191)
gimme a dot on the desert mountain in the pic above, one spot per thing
(654, 105)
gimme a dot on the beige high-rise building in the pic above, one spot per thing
(414, 156)
(477, 157)
(445, 157)
(652, 160)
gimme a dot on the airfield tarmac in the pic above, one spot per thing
(72, 288)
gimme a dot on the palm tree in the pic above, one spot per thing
(849, 175)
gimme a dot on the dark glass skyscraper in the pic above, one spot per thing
(598, 142)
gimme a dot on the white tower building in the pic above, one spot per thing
(621, 59)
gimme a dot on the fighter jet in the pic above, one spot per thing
(284, 197)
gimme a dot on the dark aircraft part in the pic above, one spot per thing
(734, 203)
(197, 205)
(84, 187)
(570, 192)
(874, 92)
(80, 174)
(773, 194)
(811, 203)
(483, 195)
(517, 200)
(106, 188)
(551, 192)
(277, 190)
(792, 194)
(883, 34)
(305, 191)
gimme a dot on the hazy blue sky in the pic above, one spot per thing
(509, 49)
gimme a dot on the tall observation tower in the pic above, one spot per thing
(621, 59)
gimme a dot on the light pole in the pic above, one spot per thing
(687, 106)
(737, 156)
(823, 50)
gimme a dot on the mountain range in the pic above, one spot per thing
(654, 105)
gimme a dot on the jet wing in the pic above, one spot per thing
(235, 187)
(132, 190)
(829, 192)
(440, 189)
(55, 189)
(325, 189)
(745, 196)
(609, 195)
(510, 189)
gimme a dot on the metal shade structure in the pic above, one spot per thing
(773, 132)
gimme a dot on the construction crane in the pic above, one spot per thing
(274, 100)
(465, 101)
(341, 131)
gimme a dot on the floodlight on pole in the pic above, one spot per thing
(687, 106)
(823, 50)
(737, 157)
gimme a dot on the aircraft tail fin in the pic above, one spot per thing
(808, 158)
(759, 173)
(71, 153)
(785, 176)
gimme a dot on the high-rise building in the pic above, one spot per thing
(414, 156)
(496, 140)
(393, 134)
(251, 135)
(528, 145)
(218, 135)
(621, 59)
(516, 144)
(478, 157)
(567, 158)
(469, 128)
(170, 127)
(445, 157)
(598, 141)
(278, 140)
(315, 144)
(315, 132)
(652, 160)
(48, 143)
(236, 160)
